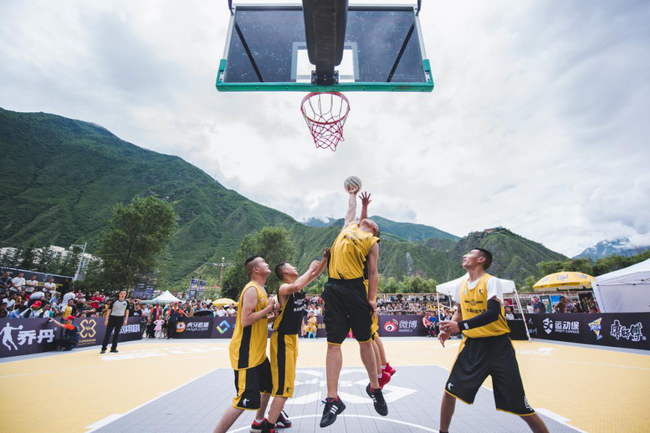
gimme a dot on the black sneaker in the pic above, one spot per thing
(103, 351)
(333, 408)
(283, 421)
(267, 427)
(378, 400)
(114, 351)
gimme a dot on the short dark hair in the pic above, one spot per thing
(278, 270)
(247, 262)
(487, 255)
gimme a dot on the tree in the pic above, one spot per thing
(273, 244)
(69, 265)
(135, 236)
(29, 258)
(44, 259)
(529, 282)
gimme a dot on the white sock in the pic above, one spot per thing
(380, 375)
(383, 367)
(259, 421)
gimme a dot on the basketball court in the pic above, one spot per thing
(171, 386)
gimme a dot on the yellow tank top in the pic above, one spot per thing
(474, 302)
(349, 253)
(248, 345)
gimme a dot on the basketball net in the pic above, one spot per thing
(325, 115)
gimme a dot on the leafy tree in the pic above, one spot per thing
(273, 244)
(44, 259)
(135, 236)
(14, 258)
(29, 258)
(69, 265)
(529, 282)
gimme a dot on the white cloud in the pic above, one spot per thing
(537, 122)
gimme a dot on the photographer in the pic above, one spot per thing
(70, 334)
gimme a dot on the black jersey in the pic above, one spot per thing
(291, 314)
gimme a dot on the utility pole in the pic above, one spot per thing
(223, 266)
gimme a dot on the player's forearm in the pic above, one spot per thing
(364, 211)
(255, 317)
(352, 208)
(373, 279)
(458, 314)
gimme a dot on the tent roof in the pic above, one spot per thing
(165, 297)
(449, 287)
(635, 274)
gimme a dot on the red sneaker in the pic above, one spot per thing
(388, 369)
(256, 427)
(384, 379)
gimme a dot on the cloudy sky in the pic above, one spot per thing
(538, 121)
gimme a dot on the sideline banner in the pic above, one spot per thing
(401, 326)
(26, 336)
(194, 327)
(223, 327)
(92, 330)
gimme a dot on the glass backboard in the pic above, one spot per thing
(266, 50)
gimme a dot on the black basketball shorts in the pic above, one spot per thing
(346, 307)
(250, 383)
(479, 358)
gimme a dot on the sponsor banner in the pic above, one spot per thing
(26, 336)
(517, 330)
(223, 327)
(92, 330)
(559, 327)
(194, 327)
(629, 330)
(401, 326)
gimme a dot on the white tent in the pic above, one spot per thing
(508, 286)
(624, 291)
(163, 298)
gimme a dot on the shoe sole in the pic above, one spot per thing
(334, 420)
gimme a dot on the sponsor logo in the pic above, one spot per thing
(197, 326)
(87, 329)
(595, 327)
(449, 385)
(561, 326)
(133, 328)
(24, 337)
(548, 325)
(180, 327)
(633, 333)
(244, 402)
(527, 404)
(391, 325)
(223, 327)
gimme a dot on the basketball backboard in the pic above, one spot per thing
(266, 50)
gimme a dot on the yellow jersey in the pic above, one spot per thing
(349, 253)
(248, 344)
(474, 302)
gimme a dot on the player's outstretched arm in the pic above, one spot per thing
(352, 208)
(365, 201)
(445, 331)
(315, 269)
(248, 314)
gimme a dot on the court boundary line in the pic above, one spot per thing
(94, 427)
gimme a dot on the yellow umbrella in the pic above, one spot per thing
(564, 280)
(224, 302)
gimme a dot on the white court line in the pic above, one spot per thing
(395, 421)
(114, 417)
(558, 418)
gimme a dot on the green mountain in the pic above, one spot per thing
(63, 176)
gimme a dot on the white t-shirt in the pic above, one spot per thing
(494, 288)
(221, 312)
(10, 303)
(50, 286)
(18, 283)
(67, 297)
(37, 295)
(31, 285)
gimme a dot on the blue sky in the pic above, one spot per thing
(538, 121)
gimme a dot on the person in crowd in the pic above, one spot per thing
(117, 315)
(68, 296)
(6, 284)
(70, 336)
(221, 312)
(568, 306)
(47, 312)
(426, 321)
(312, 325)
(538, 305)
(10, 301)
(33, 312)
(18, 282)
(37, 295)
(231, 311)
(70, 308)
(509, 314)
(3, 311)
(158, 327)
(31, 285)
(173, 314)
(50, 286)
(560, 307)
(18, 312)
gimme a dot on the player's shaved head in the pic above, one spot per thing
(250, 263)
(279, 270)
(487, 255)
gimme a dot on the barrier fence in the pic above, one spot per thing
(626, 330)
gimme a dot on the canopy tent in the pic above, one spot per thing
(163, 298)
(224, 301)
(564, 281)
(624, 291)
(508, 286)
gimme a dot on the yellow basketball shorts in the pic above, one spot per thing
(284, 355)
(374, 327)
(250, 383)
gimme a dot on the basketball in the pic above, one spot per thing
(352, 184)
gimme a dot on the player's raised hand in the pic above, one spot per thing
(326, 253)
(315, 264)
(365, 198)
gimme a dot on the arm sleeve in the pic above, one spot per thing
(485, 318)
